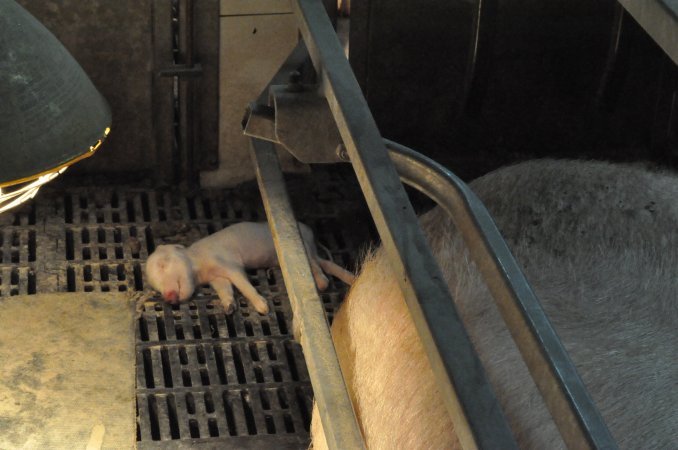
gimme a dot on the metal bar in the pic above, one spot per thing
(336, 412)
(564, 393)
(474, 410)
(161, 95)
(659, 18)
(186, 93)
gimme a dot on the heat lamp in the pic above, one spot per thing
(51, 115)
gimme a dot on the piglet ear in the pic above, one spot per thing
(178, 246)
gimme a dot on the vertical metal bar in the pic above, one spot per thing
(186, 94)
(336, 412)
(205, 26)
(470, 401)
(162, 90)
(186, 31)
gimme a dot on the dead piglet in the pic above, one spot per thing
(221, 260)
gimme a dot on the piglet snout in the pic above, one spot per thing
(171, 296)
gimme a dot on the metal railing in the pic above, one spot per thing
(468, 397)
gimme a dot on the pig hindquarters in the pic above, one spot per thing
(598, 244)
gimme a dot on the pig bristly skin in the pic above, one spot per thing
(598, 244)
(221, 259)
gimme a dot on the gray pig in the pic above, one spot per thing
(598, 243)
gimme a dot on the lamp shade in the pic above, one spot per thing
(51, 115)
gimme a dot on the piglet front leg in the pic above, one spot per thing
(224, 289)
(239, 278)
(236, 275)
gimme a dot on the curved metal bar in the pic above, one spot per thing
(573, 411)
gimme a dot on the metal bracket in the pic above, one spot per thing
(182, 71)
(300, 120)
(259, 122)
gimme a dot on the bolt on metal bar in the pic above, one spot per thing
(468, 397)
(564, 393)
(336, 411)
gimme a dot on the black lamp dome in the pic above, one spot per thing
(51, 115)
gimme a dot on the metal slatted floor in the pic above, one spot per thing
(203, 378)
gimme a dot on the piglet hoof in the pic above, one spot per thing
(259, 303)
(322, 283)
(263, 310)
(229, 308)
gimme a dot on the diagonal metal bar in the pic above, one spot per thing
(469, 399)
(659, 19)
(336, 412)
(553, 371)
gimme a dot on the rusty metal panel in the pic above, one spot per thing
(115, 44)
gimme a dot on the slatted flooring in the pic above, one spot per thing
(202, 377)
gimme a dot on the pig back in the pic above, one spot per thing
(598, 244)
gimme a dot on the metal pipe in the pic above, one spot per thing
(564, 393)
(463, 384)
